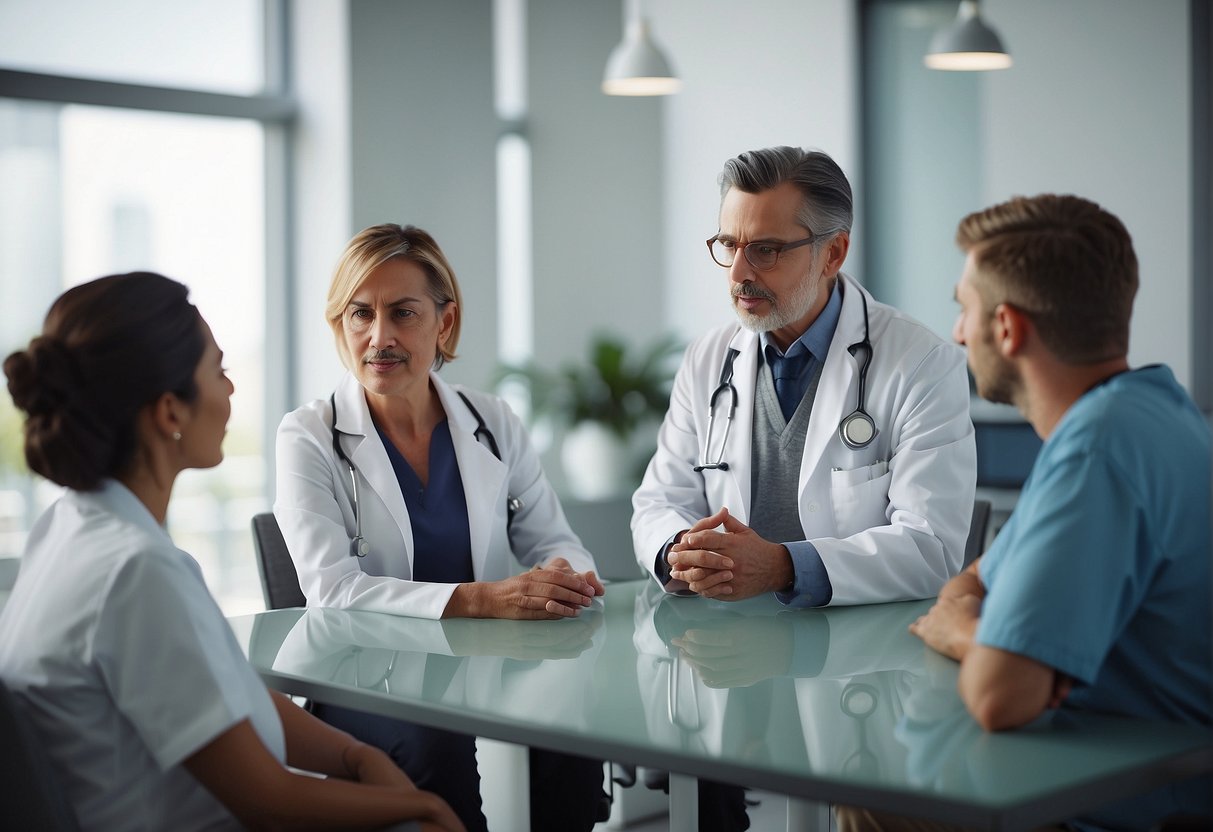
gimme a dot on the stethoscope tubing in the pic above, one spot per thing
(856, 430)
(359, 547)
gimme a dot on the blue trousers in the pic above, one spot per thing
(566, 790)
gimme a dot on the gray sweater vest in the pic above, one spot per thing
(777, 447)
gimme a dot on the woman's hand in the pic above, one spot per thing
(441, 817)
(550, 591)
(566, 567)
(367, 764)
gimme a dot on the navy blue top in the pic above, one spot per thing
(438, 514)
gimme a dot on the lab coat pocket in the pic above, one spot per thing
(860, 497)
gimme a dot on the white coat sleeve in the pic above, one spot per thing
(671, 497)
(919, 542)
(317, 519)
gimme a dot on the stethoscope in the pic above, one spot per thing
(858, 701)
(857, 429)
(358, 544)
(691, 724)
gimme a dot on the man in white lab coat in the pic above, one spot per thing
(819, 448)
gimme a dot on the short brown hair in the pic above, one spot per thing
(1065, 262)
(370, 249)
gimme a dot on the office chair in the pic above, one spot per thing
(279, 580)
(978, 527)
(31, 797)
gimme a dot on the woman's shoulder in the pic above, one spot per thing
(91, 534)
(315, 417)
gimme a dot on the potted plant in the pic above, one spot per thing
(609, 406)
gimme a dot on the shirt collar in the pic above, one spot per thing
(816, 339)
(116, 498)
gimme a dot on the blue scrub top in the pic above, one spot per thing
(438, 513)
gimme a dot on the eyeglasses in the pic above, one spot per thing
(761, 256)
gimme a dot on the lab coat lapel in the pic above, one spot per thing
(361, 443)
(745, 376)
(834, 398)
(482, 473)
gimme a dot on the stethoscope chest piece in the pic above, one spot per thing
(857, 430)
(359, 548)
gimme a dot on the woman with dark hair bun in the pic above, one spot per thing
(125, 665)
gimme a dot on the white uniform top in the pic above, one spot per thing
(315, 505)
(890, 520)
(125, 664)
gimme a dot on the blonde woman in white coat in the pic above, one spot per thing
(403, 494)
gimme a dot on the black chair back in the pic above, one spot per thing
(279, 580)
(978, 528)
(31, 796)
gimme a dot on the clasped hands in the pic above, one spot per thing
(553, 590)
(721, 557)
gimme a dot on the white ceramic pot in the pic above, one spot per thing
(597, 463)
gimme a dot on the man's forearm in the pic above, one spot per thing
(967, 582)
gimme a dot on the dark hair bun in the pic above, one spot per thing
(64, 440)
(108, 347)
(43, 377)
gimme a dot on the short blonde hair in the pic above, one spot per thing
(370, 249)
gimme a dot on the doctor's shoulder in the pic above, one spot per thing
(711, 346)
(312, 419)
(907, 341)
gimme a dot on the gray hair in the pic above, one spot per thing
(827, 208)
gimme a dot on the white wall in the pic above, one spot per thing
(597, 184)
(1097, 104)
(769, 72)
(1103, 114)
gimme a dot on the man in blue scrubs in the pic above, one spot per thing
(1096, 594)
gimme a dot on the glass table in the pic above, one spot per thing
(825, 706)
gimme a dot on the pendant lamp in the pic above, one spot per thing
(968, 44)
(637, 66)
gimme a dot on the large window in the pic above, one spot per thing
(94, 190)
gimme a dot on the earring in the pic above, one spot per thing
(177, 436)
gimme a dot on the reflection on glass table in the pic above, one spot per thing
(834, 705)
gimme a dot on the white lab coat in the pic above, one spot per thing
(315, 510)
(889, 520)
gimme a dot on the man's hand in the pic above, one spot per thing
(968, 582)
(949, 626)
(732, 564)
